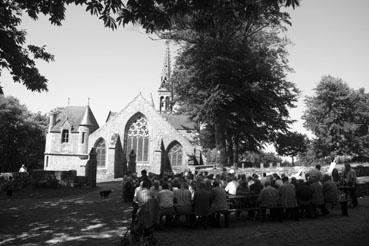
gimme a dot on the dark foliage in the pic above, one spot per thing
(339, 118)
(156, 15)
(22, 136)
(291, 144)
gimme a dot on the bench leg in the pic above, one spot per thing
(226, 222)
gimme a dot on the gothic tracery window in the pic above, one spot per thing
(175, 155)
(100, 153)
(138, 139)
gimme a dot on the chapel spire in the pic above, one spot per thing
(165, 91)
(166, 72)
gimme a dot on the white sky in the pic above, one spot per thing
(111, 68)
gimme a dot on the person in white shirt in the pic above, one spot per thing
(137, 190)
(23, 169)
(232, 186)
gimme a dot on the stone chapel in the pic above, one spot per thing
(158, 138)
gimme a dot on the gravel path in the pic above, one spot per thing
(87, 219)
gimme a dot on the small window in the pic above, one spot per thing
(47, 161)
(83, 137)
(100, 153)
(65, 136)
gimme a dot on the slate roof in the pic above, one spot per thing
(110, 115)
(180, 121)
(75, 115)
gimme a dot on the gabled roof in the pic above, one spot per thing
(180, 121)
(110, 115)
(75, 115)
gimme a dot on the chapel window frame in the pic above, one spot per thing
(100, 148)
(65, 136)
(137, 138)
(175, 154)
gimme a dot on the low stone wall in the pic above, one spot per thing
(53, 179)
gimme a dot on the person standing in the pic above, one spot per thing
(330, 190)
(336, 178)
(23, 169)
(315, 173)
(317, 196)
(349, 176)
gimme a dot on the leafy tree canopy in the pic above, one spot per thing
(22, 136)
(291, 144)
(236, 82)
(339, 118)
(157, 15)
(19, 57)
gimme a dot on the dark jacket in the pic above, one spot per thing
(201, 202)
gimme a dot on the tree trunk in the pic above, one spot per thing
(235, 151)
(229, 148)
(220, 142)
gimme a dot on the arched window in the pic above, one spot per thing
(100, 153)
(65, 136)
(138, 139)
(175, 155)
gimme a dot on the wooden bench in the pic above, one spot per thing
(243, 203)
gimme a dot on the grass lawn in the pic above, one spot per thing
(80, 217)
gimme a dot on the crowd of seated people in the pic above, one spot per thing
(205, 197)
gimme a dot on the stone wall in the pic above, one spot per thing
(64, 156)
(44, 178)
(66, 163)
(159, 130)
(54, 144)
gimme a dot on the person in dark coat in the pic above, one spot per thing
(303, 196)
(287, 195)
(201, 203)
(10, 187)
(349, 176)
(129, 190)
(256, 187)
(330, 190)
(317, 197)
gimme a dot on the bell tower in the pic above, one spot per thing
(165, 91)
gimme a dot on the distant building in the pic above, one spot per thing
(160, 139)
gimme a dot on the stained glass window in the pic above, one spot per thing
(175, 155)
(100, 153)
(138, 139)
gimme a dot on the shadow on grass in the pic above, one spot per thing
(78, 219)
